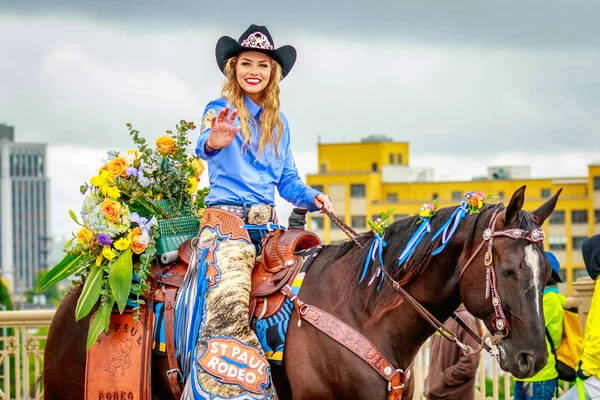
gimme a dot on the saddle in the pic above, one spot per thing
(277, 266)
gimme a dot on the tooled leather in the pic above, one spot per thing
(267, 286)
(227, 222)
(288, 242)
(128, 344)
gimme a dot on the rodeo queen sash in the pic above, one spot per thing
(220, 356)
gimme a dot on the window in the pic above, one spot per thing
(579, 216)
(501, 194)
(597, 216)
(435, 196)
(391, 158)
(357, 190)
(597, 183)
(546, 193)
(358, 221)
(457, 196)
(577, 241)
(557, 217)
(558, 242)
(374, 167)
(318, 188)
(399, 159)
(392, 197)
(398, 217)
(323, 169)
(316, 223)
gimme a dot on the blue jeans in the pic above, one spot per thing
(256, 236)
(543, 390)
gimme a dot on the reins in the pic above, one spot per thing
(427, 316)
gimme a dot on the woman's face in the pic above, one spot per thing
(253, 71)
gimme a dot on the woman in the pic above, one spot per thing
(246, 141)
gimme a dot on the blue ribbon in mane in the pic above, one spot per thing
(415, 240)
(375, 254)
(452, 224)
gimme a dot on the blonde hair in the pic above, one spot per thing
(271, 130)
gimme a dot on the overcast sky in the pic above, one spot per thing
(467, 83)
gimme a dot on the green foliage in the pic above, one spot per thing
(379, 226)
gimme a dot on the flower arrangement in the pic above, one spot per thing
(380, 224)
(475, 201)
(123, 208)
(428, 211)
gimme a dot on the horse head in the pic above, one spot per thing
(503, 274)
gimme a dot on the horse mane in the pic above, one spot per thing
(397, 236)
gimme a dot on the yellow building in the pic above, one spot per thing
(372, 176)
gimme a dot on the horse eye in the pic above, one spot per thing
(508, 272)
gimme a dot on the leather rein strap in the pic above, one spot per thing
(353, 341)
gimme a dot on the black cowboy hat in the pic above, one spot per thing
(256, 38)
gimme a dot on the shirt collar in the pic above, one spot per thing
(253, 108)
(553, 289)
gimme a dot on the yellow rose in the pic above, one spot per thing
(134, 238)
(122, 244)
(108, 253)
(117, 166)
(165, 144)
(85, 236)
(111, 210)
(425, 213)
(198, 167)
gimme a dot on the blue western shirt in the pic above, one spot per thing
(237, 176)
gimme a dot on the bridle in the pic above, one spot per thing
(499, 321)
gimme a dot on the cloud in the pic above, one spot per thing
(510, 23)
(453, 79)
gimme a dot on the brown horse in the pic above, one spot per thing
(317, 367)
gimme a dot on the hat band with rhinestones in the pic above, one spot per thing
(257, 40)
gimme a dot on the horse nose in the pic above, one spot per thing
(525, 362)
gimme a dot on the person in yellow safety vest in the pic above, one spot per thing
(543, 385)
(588, 375)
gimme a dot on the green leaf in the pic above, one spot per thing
(68, 244)
(66, 267)
(119, 278)
(91, 292)
(100, 323)
(74, 217)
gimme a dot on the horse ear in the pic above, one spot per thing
(544, 211)
(515, 205)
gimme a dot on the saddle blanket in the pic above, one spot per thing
(271, 331)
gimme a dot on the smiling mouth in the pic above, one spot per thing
(253, 81)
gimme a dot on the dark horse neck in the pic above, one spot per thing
(403, 329)
(383, 315)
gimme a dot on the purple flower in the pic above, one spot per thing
(143, 180)
(131, 171)
(104, 240)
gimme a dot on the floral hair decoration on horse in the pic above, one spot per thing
(425, 214)
(376, 251)
(474, 202)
